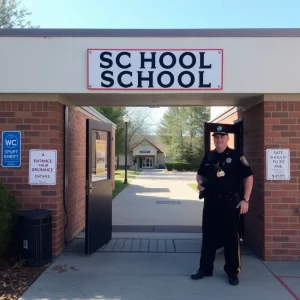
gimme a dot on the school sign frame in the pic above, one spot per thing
(155, 69)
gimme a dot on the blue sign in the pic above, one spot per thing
(11, 149)
(145, 151)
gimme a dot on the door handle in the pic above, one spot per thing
(88, 188)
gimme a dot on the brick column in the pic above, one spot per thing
(282, 198)
(42, 127)
(76, 172)
(272, 224)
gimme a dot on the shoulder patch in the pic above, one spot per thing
(244, 161)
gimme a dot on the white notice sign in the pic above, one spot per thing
(278, 164)
(42, 167)
(155, 69)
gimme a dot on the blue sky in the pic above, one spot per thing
(164, 14)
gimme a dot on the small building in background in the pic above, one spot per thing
(145, 152)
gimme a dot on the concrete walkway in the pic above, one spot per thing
(158, 198)
(151, 276)
(157, 265)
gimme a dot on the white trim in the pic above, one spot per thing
(223, 114)
(98, 115)
(281, 97)
(254, 101)
(31, 97)
(144, 33)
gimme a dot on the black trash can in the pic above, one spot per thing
(35, 229)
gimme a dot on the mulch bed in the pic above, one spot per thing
(15, 278)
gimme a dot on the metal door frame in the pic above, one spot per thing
(236, 129)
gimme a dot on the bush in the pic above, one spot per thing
(181, 166)
(8, 211)
(169, 166)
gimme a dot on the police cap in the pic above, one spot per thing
(221, 130)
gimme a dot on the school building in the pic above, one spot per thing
(145, 152)
(50, 77)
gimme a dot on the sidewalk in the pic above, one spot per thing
(158, 265)
(115, 275)
(158, 198)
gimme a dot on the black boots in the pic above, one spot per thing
(233, 279)
(200, 274)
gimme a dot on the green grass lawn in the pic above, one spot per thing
(119, 180)
(193, 186)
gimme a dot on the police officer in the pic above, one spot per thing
(219, 177)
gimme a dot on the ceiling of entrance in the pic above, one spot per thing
(159, 99)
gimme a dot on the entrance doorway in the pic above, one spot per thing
(147, 163)
(99, 206)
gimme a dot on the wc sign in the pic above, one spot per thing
(11, 149)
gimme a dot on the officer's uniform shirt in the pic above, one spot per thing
(231, 164)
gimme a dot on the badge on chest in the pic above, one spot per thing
(220, 174)
(220, 171)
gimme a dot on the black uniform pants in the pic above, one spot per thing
(220, 228)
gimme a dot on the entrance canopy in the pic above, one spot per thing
(150, 67)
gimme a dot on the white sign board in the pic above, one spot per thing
(42, 167)
(278, 164)
(155, 69)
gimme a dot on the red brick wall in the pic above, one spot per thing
(75, 202)
(282, 222)
(41, 125)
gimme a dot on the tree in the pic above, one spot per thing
(12, 15)
(181, 130)
(171, 131)
(115, 115)
(139, 124)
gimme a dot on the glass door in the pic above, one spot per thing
(150, 162)
(147, 162)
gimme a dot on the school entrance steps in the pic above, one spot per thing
(150, 243)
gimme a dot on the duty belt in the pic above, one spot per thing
(226, 195)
